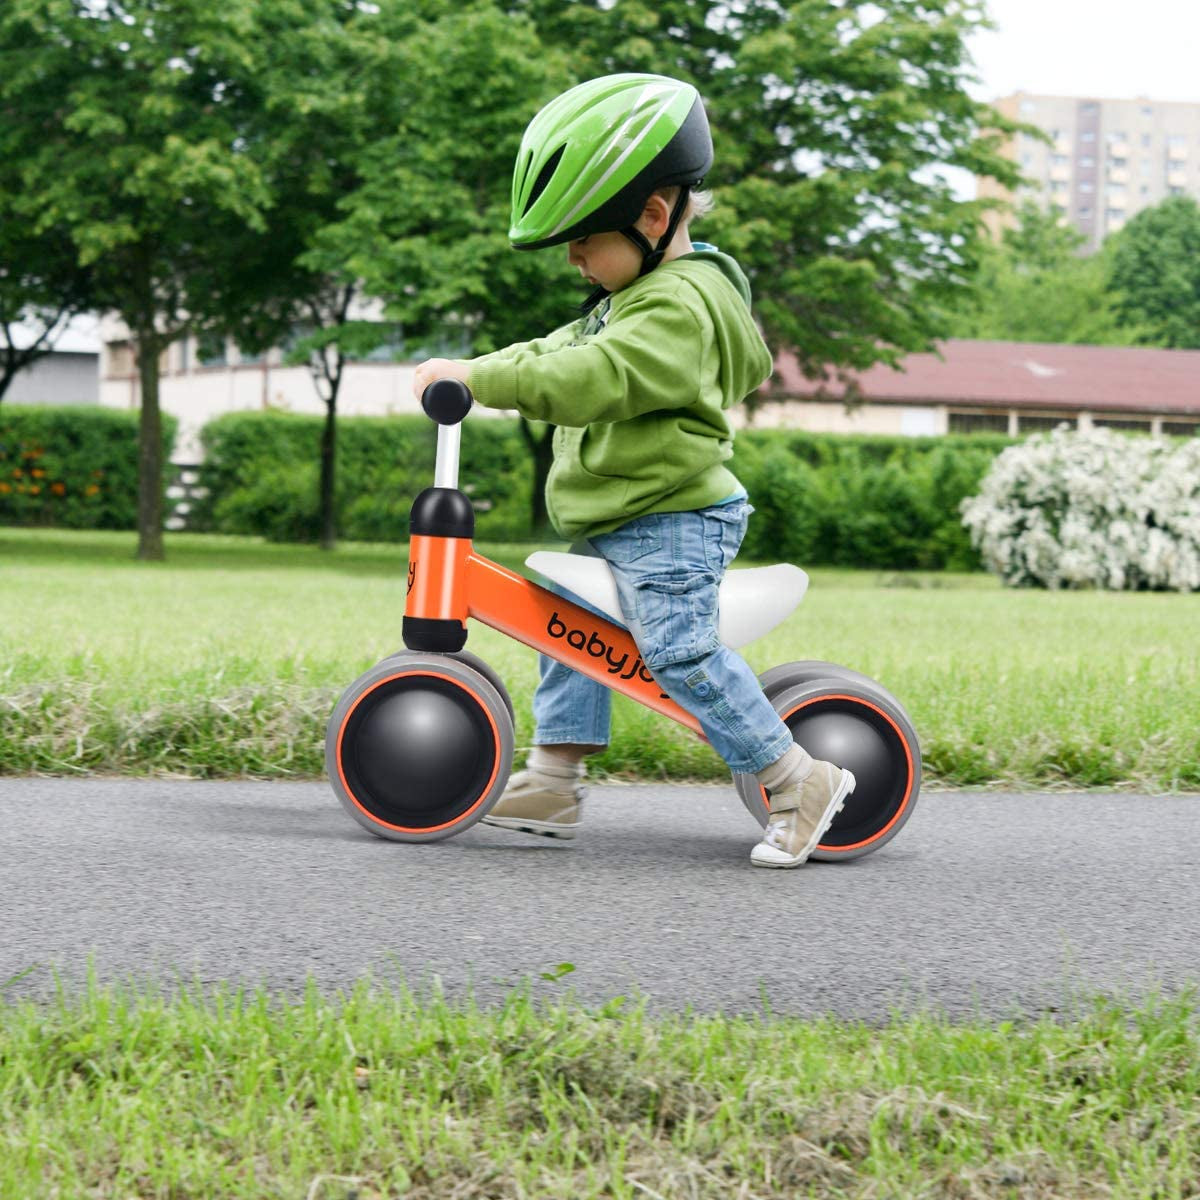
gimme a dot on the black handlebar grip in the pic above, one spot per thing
(447, 401)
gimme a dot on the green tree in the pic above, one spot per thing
(1036, 285)
(327, 97)
(830, 121)
(1155, 273)
(127, 131)
(426, 229)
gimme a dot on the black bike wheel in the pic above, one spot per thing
(858, 726)
(419, 747)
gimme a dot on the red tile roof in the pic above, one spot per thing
(1024, 374)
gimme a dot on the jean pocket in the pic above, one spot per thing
(724, 531)
(677, 618)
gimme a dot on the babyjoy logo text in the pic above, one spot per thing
(597, 647)
(412, 575)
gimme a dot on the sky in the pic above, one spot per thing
(1107, 49)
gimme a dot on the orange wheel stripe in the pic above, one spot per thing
(418, 828)
(907, 756)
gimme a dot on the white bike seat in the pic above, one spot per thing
(751, 602)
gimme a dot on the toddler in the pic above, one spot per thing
(639, 390)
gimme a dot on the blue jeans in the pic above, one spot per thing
(668, 567)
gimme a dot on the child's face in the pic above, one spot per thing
(609, 259)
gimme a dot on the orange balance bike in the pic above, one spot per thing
(421, 745)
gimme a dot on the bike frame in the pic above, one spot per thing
(449, 581)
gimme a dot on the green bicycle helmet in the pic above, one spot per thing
(591, 158)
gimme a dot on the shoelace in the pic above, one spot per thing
(775, 833)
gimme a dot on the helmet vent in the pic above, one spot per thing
(544, 177)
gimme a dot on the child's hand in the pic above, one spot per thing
(438, 368)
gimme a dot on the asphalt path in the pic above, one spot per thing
(985, 903)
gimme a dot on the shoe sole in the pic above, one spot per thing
(538, 828)
(836, 804)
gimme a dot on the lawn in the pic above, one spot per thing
(227, 659)
(222, 1092)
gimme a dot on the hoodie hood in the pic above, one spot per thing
(723, 286)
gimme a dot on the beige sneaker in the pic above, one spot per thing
(546, 802)
(800, 816)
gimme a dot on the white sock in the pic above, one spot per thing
(787, 772)
(559, 775)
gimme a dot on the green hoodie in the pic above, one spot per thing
(639, 395)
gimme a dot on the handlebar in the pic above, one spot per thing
(447, 401)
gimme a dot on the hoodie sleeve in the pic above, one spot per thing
(562, 336)
(648, 358)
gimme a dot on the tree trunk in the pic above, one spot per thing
(328, 473)
(150, 457)
(542, 450)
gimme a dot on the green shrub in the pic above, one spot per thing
(861, 501)
(73, 467)
(819, 499)
(262, 473)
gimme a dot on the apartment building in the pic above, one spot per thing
(1106, 160)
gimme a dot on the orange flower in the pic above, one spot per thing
(38, 473)
(59, 489)
(5, 489)
(17, 472)
(35, 490)
(90, 490)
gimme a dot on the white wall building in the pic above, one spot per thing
(69, 374)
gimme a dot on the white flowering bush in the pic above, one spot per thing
(1092, 509)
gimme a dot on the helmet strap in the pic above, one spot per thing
(651, 255)
(594, 298)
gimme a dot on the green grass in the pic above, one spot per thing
(227, 659)
(226, 1092)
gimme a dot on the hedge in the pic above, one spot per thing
(261, 471)
(74, 467)
(820, 499)
(859, 500)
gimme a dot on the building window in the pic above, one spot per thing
(1087, 161)
(1042, 422)
(978, 422)
(1181, 428)
(1130, 424)
(183, 358)
(1088, 135)
(121, 362)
